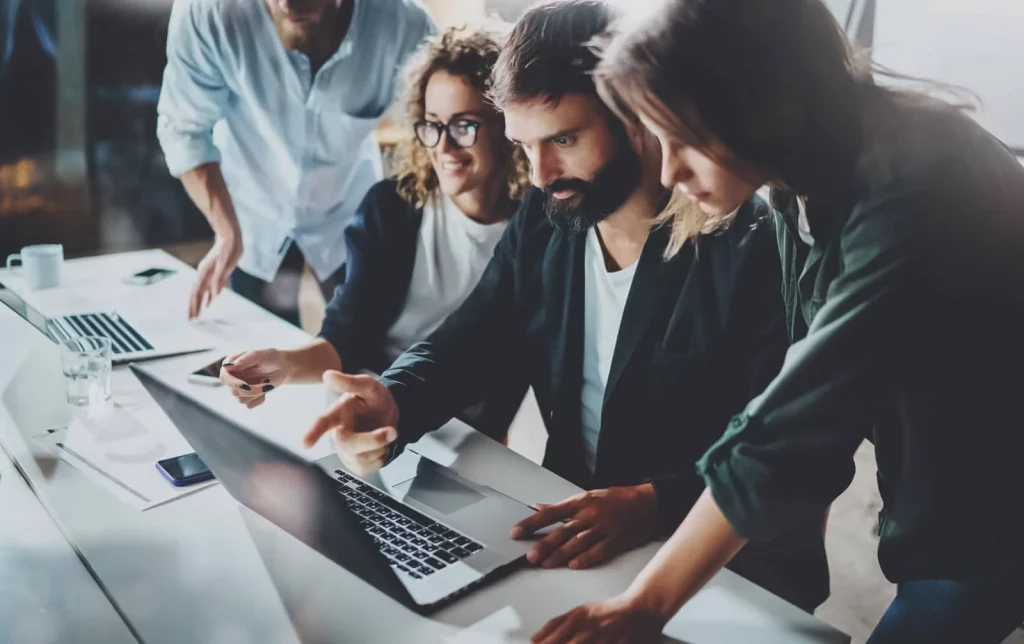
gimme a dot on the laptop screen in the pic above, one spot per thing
(292, 493)
(21, 307)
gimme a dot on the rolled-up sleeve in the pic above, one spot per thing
(193, 93)
(790, 453)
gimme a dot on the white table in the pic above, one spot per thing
(188, 571)
(46, 594)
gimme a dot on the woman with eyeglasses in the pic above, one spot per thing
(901, 233)
(420, 241)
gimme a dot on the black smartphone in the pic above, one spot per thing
(184, 470)
(149, 276)
(208, 375)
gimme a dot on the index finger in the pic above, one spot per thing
(195, 298)
(218, 280)
(339, 415)
(229, 361)
(545, 517)
(558, 629)
(324, 423)
(230, 379)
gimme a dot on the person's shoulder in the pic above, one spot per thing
(399, 18)
(384, 200)
(531, 220)
(192, 13)
(752, 228)
(221, 10)
(413, 11)
(923, 165)
(384, 189)
(528, 232)
(211, 17)
(197, 6)
(916, 141)
(757, 214)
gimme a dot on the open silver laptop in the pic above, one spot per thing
(424, 538)
(129, 340)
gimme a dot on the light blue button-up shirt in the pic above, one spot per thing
(297, 151)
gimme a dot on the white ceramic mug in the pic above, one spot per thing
(41, 265)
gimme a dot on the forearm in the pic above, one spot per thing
(206, 187)
(431, 383)
(308, 363)
(704, 543)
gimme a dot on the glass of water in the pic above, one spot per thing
(86, 365)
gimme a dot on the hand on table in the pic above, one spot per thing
(619, 620)
(213, 272)
(363, 422)
(596, 526)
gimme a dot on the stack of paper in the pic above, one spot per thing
(119, 452)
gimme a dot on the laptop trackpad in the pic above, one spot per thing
(436, 490)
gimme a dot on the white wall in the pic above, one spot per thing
(977, 44)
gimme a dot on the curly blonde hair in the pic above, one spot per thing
(460, 52)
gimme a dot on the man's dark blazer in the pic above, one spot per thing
(701, 334)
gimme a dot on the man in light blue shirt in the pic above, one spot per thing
(267, 114)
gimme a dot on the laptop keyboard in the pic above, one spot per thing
(123, 338)
(413, 543)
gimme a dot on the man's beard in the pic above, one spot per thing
(294, 36)
(299, 35)
(599, 197)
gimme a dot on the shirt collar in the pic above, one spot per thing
(347, 45)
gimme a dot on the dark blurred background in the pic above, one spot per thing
(79, 160)
(79, 82)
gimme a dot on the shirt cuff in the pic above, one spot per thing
(736, 484)
(185, 151)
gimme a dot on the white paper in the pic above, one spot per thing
(119, 452)
(501, 627)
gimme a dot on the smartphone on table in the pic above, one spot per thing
(208, 375)
(184, 470)
(149, 276)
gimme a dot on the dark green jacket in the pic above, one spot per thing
(908, 316)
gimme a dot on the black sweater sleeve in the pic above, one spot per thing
(477, 353)
(381, 243)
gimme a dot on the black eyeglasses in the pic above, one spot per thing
(461, 132)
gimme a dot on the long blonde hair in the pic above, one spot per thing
(469, 54)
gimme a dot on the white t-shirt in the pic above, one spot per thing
(606, 295)
(452, 251)
(803, 227)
